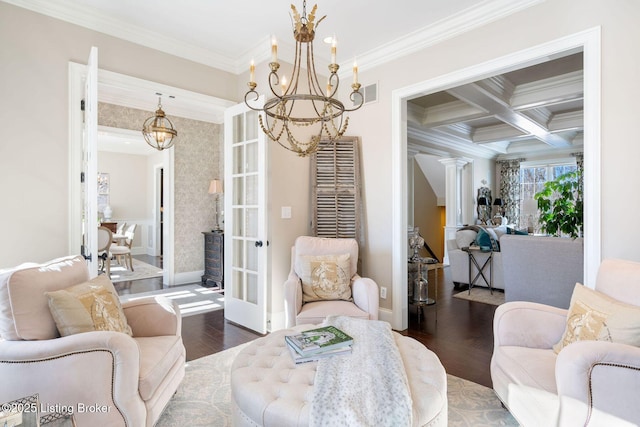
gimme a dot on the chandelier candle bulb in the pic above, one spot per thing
(333, 50)
(355, 73)
(252, 72)
(284, 85)
(274, 49)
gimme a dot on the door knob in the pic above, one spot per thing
(258, 243)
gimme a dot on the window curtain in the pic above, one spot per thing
(510, 188)
(580, 166)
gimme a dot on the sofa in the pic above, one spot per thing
(541, 269)
(459, 259)
(126, 380)
(590, 381)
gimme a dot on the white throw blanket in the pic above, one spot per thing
(369, 387)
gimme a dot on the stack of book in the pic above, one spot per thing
(314, 344)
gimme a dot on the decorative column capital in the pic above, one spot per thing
(458, 162)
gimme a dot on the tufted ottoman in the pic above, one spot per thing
(268, 389)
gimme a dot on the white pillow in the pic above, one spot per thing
(500, 231)
(465, 237)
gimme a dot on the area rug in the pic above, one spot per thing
(141, 270)
(204, 398)
(480, 294)
(192, 299)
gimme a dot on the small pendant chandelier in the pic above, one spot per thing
(158, 130)
(296, 108)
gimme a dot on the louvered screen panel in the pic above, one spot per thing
(336, 189)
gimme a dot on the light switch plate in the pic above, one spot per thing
(285, 212)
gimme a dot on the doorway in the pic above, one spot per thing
(589, 43)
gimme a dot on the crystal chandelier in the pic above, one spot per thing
(158, 130)
(303, 105)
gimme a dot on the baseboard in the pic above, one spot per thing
(385, 315)
(188, 277)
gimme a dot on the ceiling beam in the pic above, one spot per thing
(482, 98)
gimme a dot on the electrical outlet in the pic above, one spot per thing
(383, 292)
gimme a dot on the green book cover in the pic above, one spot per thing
(319, 340)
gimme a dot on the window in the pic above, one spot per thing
(532, 178)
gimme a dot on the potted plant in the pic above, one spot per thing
(561, 206)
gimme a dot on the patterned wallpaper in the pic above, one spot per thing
(199, 158)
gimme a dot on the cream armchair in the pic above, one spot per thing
(126, 380)
(364, 291)
(594, 383)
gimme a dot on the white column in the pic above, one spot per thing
(453, 199)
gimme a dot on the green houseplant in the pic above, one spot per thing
(561, 206)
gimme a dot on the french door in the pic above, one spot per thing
(246, 246)
(89, 175)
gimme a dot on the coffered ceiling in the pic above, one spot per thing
(534, 109)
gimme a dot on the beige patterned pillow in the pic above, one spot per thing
(86, 307)
(325, 277)
(596, 316)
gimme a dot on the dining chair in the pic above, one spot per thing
(123, 250)
(105, 237)
(120, 228)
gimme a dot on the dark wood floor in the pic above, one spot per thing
(462, 337)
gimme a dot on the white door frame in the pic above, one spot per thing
(587, 41)
(77, 74)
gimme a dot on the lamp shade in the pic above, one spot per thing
(497, 202)
(215, 186)
(482, 201)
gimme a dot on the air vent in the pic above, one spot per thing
(370, 93)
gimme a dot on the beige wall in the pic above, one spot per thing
(128, 189)
(34, 55)
(427, 214)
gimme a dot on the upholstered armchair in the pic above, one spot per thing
(594, 377)
(323, 281)
(129, 379)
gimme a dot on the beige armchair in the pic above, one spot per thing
(588, 382)
(363, 302)
(128, 379)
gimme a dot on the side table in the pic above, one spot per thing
(472, 251)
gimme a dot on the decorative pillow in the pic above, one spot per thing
(500, 231)
(522, 232)
(89, 306)
(495, 244)
(325, 277)
(596, 316)
(464, 238)
(483, 239)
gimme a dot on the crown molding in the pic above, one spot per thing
(466, 20)
(83, 16)
(451, 26)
